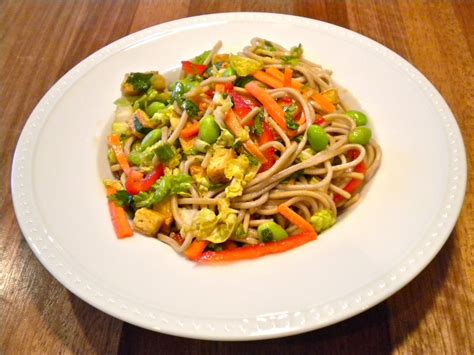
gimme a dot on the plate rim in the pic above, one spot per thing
(260, 326)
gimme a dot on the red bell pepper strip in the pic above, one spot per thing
(114, 142)
(119, 217)
(256, 251)
(320, 120)
(242, 106)
(354, 184)
(136, 183)
(192, 68)
(265, 137)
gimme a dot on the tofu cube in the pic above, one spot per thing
(147, 221)
(217, 164)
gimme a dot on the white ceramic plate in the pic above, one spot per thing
(405, 216)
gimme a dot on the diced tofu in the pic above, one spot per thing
(164, 208)
(217, 164)
(197, 171)
(147, 221)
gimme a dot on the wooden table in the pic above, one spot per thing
(42, 40)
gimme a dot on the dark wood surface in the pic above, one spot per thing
(40, 40)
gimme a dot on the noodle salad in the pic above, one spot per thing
(245, 155)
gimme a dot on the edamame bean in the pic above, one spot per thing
(359, 118)
(360, 135)
(154, 107)
(229, 71)
(209, 130)
(318, 138)
(151, 138)
(270, 231)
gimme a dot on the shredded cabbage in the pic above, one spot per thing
(241, 171)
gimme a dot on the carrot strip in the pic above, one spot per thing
(325, 104)
(296, 219)
(272, 107)
(114, 142)
(256, 251)
(195, 249)
(268, 79)
(280, 76)
(119, 217)
(190, 131)
(220, 88)
(287, 77)
(236, 128)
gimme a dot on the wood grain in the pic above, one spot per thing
(41, 40)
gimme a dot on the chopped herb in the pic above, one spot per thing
(240, 232)
(191, 108)
(290, 112)
(269, 46)
(139, 81)
(243, 80)
(258, 124)
(121, 198)
(253, 161)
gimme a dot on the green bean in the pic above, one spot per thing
(209, 130)
(359, 118)
(360, 135)
(318, 138)
(270, 231)
(151, 138)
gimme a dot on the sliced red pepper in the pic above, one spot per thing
(354, 184)
(192, 68)
(242, 106)
(352, 154)
(256, 251)
(136, 183)
(267, 136)
(320, 120)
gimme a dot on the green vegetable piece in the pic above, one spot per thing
(359, 118)
(167, 185)
(201, 58)
(323, 219)
(209, 130)
(360, 135)
(271, 231)
(121, 198)
(135, 157)
(151, 138)
(258, 123)
(139, 82)
(111, 156)
(243, 80)
(154, 107)
(191, 108)
(244, 66)
(229, 72)
(318, 138)
(165, 152)
(139, 127)
(121, 129)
